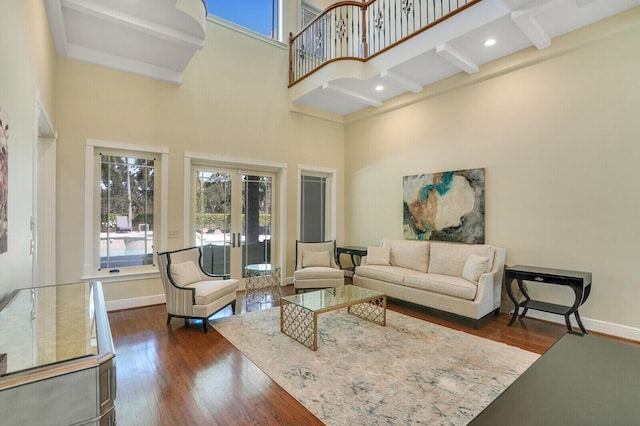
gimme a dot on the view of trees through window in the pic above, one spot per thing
(126, 211)
(215, 218)
(260, 16)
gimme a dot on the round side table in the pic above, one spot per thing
(262, 283)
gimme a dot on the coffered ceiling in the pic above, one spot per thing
(452, 47)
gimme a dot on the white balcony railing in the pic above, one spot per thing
(360, 30)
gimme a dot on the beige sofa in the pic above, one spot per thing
(462, 279)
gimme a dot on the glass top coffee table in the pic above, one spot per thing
(299, 313)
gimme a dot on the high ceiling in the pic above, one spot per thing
(452, 47)
(153, 38)
(158, 38)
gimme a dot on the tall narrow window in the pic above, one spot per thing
(313, 208)
(126, 211)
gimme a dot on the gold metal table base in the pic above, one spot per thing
(301, 324)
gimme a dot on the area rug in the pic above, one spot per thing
(409, 372)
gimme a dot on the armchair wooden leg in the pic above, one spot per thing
(169, 316)
(205, 321)
(233, 307)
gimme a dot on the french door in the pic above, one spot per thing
(233, 218)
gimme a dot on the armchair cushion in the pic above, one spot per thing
(184, 273)
(311, 258)
(211, 290)
(318, 273)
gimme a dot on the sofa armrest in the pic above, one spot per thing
(488, 283)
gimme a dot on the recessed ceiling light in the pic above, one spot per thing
(490, 42)
(379, 87)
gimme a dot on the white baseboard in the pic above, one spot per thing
(618, 330)
(136, 302)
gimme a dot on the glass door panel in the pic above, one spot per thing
(233, 220)
(213, 231)
(256, 219)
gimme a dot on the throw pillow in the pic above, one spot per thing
(185, 273)
(379, 256)
(475, 266)
(312, 258)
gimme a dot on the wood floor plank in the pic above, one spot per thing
(172, 374)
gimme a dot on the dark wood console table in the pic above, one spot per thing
(579, 282)
(351, 251)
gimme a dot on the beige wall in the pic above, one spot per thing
(558, 135)
(28, 68)
(233, 102)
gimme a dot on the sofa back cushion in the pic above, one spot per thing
(378, 256)
(410, 254)
(450, 258)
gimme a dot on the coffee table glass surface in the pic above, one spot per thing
(299, 313)
(330, 299)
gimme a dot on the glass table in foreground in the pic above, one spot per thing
(299, 313)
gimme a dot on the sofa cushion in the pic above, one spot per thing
(390, 274)
(443, 284)
(318, 273)
(475, 266)
(212, 290)
(379, 256)
(311, 258)
(184, 273)
(449, 258)
(410, 254)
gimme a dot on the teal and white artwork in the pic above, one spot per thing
(445, 206)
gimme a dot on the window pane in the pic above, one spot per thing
(213, 220)
(126, 211)
(257, 15)
(312, 222)
(256, 219)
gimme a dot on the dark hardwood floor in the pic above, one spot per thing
(177, 375)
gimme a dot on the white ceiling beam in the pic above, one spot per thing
(351, 94)
(529, 26)
(455, 58)
(400, 81)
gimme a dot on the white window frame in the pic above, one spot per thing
(331, 210)
(92, 207)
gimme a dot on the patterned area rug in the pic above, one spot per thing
(409, 372)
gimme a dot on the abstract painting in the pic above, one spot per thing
(4, 184)
(445, 206)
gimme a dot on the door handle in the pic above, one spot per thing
(233, 239)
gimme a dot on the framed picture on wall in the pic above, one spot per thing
(445, 206)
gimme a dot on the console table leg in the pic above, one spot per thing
(514, 315)
(579, 321)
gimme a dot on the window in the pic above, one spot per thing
(317, 206)
(313, 208)
(126, 210)
(261, 16)
(125, 196)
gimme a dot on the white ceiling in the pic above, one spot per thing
(158, 38)
(153, 38)
(451, 47)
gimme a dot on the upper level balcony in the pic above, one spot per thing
(359, 54)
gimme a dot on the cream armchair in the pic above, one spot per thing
(316, 266)
(190, 291)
